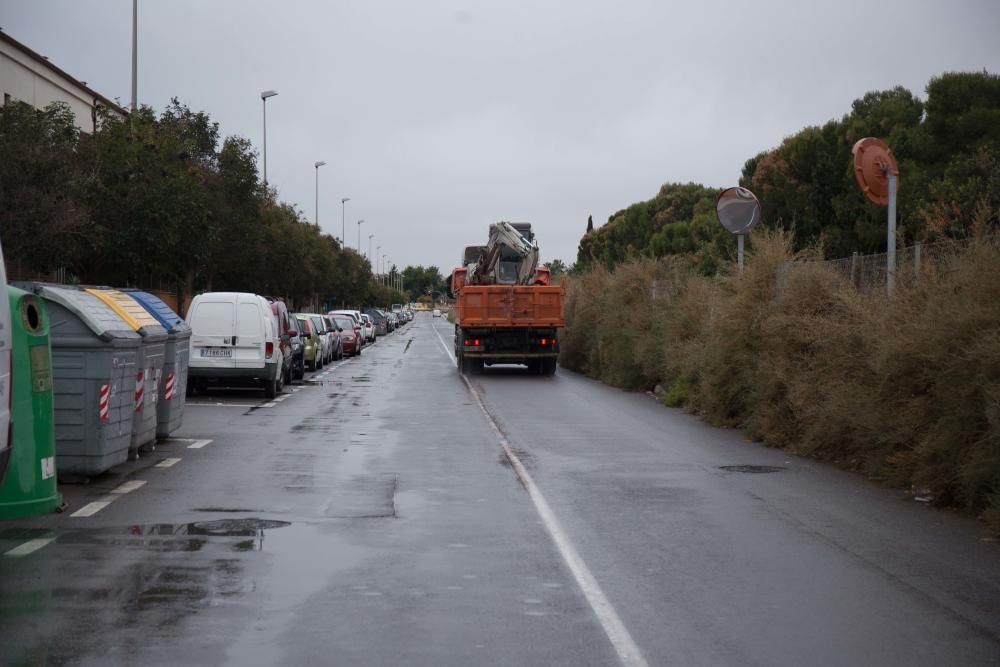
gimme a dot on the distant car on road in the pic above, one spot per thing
(436, 313)
(298, 345)
(234, 341)
(313, 342)
(369, 327)
(379, 320)
(350, 334)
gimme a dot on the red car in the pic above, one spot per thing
(350, 337)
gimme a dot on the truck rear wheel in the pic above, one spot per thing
(549, 366)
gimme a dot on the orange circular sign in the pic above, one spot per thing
(873, 161)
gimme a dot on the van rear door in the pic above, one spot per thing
(250, 333)
(213, 325)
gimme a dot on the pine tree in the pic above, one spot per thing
(590, 223)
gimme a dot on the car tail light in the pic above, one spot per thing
(268, 349)
(545, 341)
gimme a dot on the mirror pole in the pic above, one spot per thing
(739, 250)
(890, 254)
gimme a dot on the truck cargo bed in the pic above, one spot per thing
(510, 306)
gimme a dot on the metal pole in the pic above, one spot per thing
(263, 101)
(890, 255)
(370, 237)
(135, 57)
(739, 249)
(343, 229)
(317, 196)
(360, 222)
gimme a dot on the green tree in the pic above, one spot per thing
(42, 219)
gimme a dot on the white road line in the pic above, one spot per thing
(619, 636)
(221, 405)
(93, 508)
(29, 547)
(269, 404)
(166, 463)
(283, 398)
(129, 487)
(198, 444)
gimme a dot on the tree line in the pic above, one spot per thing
(161, 200)
(947, 146)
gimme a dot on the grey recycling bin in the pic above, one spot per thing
(95, 355)
(152, 356)
(170, 409)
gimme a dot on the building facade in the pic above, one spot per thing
(29, 77)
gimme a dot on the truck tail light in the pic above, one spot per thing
(545, 341)
(268, 349)
(468, 342)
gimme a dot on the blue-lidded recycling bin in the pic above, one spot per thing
(170, 409)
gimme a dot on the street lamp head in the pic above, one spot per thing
(319, 164)
(371, 236)
(345, 199)
(361, 222)
(268, 93)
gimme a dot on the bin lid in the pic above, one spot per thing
(129, 310)
(93, 312)
(163, 313)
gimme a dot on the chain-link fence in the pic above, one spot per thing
(868, 272)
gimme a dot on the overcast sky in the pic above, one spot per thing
(439, 117)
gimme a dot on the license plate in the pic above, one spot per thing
(217, 352)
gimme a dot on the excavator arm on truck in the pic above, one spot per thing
(509, 258)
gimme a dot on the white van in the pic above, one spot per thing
(5, 372)
(234, 341)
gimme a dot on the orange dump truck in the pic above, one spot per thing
(499, 323)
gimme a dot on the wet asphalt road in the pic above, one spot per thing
(371, 517)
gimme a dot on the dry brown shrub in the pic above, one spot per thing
(719, 356)
(940, 368)
(815, 382)
(904, 388)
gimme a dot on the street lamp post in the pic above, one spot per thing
(317, 166)
(370, 237)
(135, 61)
(263, 98)
(378, 261)
(360, 222)
(343, 234)
(385, 270)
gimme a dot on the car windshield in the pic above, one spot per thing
(345, 323)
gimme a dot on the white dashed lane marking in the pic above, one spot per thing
(29, 547)
(129, 487)
(198, 444)
(166, 463)
(90, 509)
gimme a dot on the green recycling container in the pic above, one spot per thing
(29, 488)
(94, 361)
